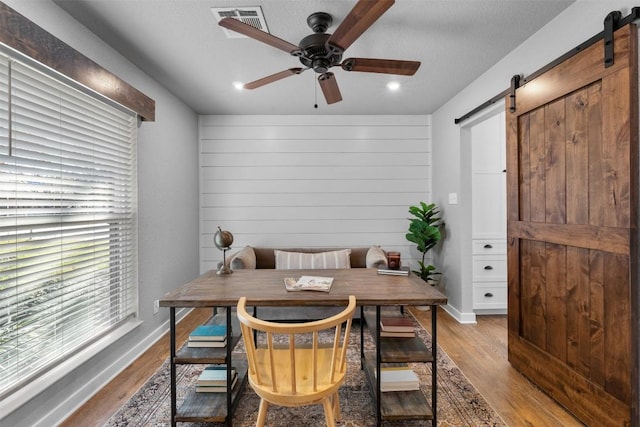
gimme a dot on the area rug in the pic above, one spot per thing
(459, 403)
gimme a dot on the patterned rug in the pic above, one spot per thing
(459, 404)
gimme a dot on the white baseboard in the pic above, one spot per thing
(465, 318)
(491, 311)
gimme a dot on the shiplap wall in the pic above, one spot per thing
(312, 181)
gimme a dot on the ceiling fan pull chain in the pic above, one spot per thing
(315, 94)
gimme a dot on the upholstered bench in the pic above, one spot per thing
(302, 258)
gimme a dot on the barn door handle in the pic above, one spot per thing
(488, 267)
(488, 246)
(488, 295)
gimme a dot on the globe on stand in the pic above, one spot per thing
(223, 241)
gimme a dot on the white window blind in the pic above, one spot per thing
(68, 237)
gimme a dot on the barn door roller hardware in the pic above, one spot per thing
(515, 84)
(610, 25)
(612, 22)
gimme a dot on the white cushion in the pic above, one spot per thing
(321, 260)
(376, 257)
(244, 259)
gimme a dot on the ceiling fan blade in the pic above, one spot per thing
(254, 33)
(363, 14)
(330, 88)
(273, 78)
(385, 66)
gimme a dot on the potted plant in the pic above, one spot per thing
(424, 231)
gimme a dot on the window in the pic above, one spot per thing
(68, 254)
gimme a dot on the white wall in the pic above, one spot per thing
(312, 181)
(168, 218)
(573, 26)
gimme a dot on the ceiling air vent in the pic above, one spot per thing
(251, 15)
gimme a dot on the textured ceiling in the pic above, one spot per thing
(179, 43)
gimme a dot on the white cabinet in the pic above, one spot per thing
(489, 214)
(489, 205)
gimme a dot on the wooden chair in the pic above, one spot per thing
(292, 364)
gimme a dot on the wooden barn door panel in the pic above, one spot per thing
(572, 203)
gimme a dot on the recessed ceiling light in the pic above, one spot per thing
(393, 85)
(238, 85)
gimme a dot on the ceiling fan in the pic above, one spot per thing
(321, 51)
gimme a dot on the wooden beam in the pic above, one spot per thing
(19, 33)
(616, 240)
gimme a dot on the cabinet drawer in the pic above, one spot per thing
(489, 268)
(490, 297)
(489, 246)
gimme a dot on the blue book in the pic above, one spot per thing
(209, 333)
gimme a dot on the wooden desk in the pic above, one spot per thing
(266, 288)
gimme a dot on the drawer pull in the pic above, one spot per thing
(488, 295)
(488, 246)
(488, 267)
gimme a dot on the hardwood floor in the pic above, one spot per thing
(480, 351)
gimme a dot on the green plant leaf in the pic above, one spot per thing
(424, 231)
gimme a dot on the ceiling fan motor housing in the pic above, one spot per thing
(314, 53)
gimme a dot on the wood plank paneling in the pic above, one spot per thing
(616, 339)
(312, 181)
(314, 132)
(518, 167)
(554, 157)
(305, 185)
(596, 312)
(316, 172)
(578, 302)
(537, 167)
(533, 291)
(578, 108)
(615, 149)
(555, 300)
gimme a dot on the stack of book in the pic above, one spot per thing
(213, 379)
(398, 379)
(402, 271)
(398, 327)
(208, 336)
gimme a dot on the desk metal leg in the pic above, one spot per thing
(172, 350)
(228, 365)
(434, 376)
(378, 357)
(362, 324)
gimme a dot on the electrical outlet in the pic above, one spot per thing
(156, 306)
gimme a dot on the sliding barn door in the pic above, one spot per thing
(572, 154)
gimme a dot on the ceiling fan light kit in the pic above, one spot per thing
(321, 51)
